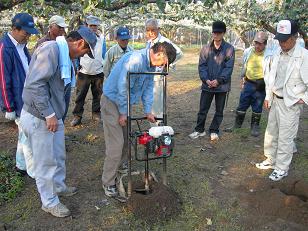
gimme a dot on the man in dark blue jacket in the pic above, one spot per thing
(215, 69)
(14, 64)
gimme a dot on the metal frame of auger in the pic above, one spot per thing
(130, 134)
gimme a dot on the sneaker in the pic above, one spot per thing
(123, 168)
(69, 191)
(278, 175)
(76, 121)
(195, 135)
(111, 191)
(60, 210)
(266, 164)
(214, 136)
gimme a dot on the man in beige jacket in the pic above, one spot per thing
(286, 93)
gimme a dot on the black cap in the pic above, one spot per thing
(285, 29)
(218, 26)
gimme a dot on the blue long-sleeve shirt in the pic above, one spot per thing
(216, 64)
(141, 86)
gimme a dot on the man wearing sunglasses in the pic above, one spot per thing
(14, 65)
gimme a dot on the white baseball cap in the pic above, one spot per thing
(58, 20)
(285, 29)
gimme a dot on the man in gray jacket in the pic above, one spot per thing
(44, 107)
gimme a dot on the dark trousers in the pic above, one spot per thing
(205, 104)
(83, 83)
(250, 96)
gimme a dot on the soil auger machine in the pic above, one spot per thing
(148, 145)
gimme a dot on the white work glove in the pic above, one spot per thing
(10, 115)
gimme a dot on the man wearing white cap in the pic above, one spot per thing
(57, 27)
(256, 64)
(286, 93)
(90, 74)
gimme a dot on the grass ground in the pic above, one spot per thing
(218, 185)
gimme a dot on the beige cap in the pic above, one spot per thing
(260, 37)
(56, 19)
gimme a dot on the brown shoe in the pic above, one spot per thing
(76, 121)
(96, 116)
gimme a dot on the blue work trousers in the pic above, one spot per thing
(251, 97)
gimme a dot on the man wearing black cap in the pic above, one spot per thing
(14, 65)
(90, 74)
(215, 69)
(286, 94)
(43, 110)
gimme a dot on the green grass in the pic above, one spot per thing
(10, 181)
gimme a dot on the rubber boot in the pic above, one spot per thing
(255, 124)
(239, 119)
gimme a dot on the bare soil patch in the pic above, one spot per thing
(161, 204)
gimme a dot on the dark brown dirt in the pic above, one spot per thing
(161, 204)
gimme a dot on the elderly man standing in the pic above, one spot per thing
(256, 64)
(90, 74)
(152, 33)
(14, 65)
(114, 102)
(286, 94)
(215, 69)
(118, 50)
(56, 28)
(42, 113)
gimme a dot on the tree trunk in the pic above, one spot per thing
(5, 5)
(243, 37)
(74, 23)
(268, 27)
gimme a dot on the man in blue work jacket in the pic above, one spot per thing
(14, 65)
(215, 69)
(114, 102)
